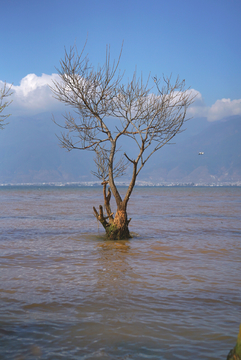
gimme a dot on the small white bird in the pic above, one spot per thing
(201, 153)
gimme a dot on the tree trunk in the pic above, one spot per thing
(235, 354)
(116, 227)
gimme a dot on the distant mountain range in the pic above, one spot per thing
(29, 153)
(220, 143)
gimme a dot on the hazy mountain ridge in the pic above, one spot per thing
(30, 154)
(221, 161)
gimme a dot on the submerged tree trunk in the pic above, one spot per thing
(119, 230)
(235, 354)
(116, 227)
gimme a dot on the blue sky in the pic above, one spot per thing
(199, 40)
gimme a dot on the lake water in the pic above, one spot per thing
(173, 291)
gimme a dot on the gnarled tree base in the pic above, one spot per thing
(116, 227)
(114, 233)
(235, 354)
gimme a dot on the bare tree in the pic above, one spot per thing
(105, 111)
(4, 93)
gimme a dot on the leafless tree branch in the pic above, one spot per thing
(5, 92)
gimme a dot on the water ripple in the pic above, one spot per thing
(171, 292)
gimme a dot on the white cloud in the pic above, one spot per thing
(198, 108)
(33, 96)
(219, 110)
(223, 108)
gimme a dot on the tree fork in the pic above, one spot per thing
(117, 227)
(100, 216)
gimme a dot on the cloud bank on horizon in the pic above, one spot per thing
(34, 96)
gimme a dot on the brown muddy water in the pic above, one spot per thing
(173, 291)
